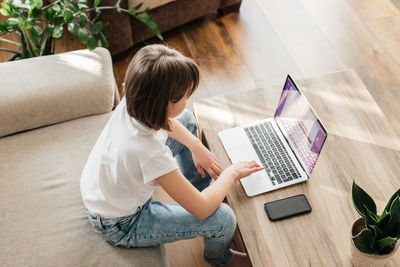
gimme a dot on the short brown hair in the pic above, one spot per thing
(156, 75)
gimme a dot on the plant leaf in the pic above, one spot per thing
(103, 40)
(364, 242)
(372, 215)
(91, 43)
(68, 15)
(56, 8)
(34, 12)
(58, 32)
(4, 12)
(50, 14)
(149, 22)
(96, 3)
(97, 27)
(362, 202)
(83, 35)
(5, 9)
(133, 10)
(82, 6)
(13, 21)
(49, 29)
(383, 220)
(392, 228)
(73, 28)
(381, 244)
(72, 5)
(39, 4)
(27, 24)
(3, 27)
(59, 20)
(21, 4)
(396, 194)
(83, 20)
(36, 34)
(138, 6)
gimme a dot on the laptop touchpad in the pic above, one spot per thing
(243, 153)
(233, 138)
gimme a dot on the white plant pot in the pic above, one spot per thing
(360, 259)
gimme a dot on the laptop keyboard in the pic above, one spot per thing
(273, 155)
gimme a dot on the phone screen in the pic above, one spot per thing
(287, 207)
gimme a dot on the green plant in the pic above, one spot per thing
(39, 26)
(381, 233)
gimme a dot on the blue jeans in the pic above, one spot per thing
(157, 223)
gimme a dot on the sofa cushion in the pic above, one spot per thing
(42, 218)
(50, 89)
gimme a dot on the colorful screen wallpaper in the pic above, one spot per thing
(302, 126)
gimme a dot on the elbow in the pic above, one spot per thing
(202, 216)
(205, 208)
(203, 211)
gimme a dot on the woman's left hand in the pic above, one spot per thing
(205, 160)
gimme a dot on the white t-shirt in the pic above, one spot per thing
(119, 174)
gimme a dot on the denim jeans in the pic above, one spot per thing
(157, 223)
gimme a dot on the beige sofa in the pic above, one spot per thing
(52, 109)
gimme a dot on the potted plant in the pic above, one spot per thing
(374, 238)
(39, 25)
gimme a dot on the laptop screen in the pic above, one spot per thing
(300, 125)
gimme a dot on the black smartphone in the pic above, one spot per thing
(287, 207)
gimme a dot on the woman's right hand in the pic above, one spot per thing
(243, 168)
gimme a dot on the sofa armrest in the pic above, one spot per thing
(45, 90)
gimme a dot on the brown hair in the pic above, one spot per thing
(156, 75)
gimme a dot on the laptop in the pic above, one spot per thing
(287, 145)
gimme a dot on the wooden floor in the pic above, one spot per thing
(268, 39)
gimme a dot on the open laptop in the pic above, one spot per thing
(287, 145)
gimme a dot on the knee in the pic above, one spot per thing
(189, 121)
(226, 217)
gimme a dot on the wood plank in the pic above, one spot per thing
(309, 48)
(361, 50)
(386, 30)
(259, 46)
(220, 66)
(340, 99)
(368, 10)
(186, 253)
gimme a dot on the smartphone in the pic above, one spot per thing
(287, 207)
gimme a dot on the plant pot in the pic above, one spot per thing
(360, 259)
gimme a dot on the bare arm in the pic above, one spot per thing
(183, 135)
(203, 204)
(202, 157)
